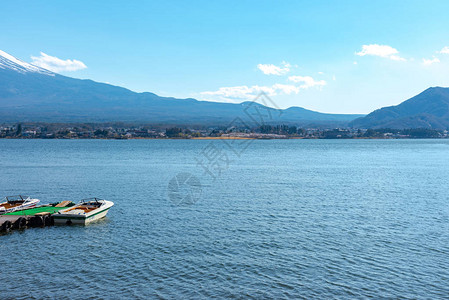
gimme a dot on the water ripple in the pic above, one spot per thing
(292, 219)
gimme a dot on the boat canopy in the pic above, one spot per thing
(17, 199)
(92, 201)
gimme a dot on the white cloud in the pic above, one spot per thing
(398, 58)
(428, 62)
(307, 81)
(269, 69)
(380, 50)
(243, 92)
(286, 88)
(445, 50)
(55, 64)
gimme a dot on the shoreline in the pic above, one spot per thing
(234, 138)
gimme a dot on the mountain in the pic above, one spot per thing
(32, 94)
(430, 109)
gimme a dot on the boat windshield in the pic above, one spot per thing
(16, 199)
(92, 201)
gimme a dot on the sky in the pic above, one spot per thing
(328, 56)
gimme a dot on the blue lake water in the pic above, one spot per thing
(267, 219)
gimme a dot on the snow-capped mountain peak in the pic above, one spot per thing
(8, 61)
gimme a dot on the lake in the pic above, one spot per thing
(310, 219)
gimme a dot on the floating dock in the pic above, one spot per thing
(40, 216)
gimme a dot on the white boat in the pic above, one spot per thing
(19, 202)
(86, 211)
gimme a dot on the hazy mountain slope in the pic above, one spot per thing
(30, 93)
(429, 109)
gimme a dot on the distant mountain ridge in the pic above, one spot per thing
(429, 109)
(32, 94)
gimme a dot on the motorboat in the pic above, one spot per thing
(85, 212)
(19, 202)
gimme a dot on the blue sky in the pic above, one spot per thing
(330, 56)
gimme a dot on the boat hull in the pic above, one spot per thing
(65, 219)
